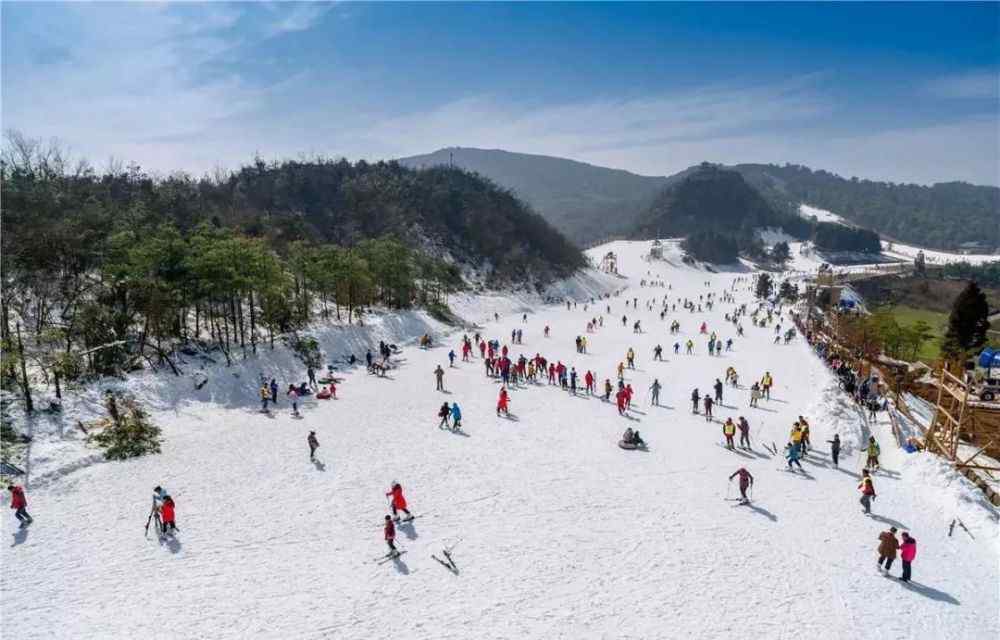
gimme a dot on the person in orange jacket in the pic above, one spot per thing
(167, 515)
(502, 402)
(389, 532)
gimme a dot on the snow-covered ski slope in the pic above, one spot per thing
(559, 532)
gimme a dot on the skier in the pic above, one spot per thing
(907, 552)
(456, 417)
(655, 391)
(887, 547)
(620, 399)
(658, 352)
(444, 413)
(729, 430)
(451, 358)
(835, 449)
(167, 515)
(398, 502)
(502, 402)
(389, 532)
(572, 380)
(19, 503)
(274, 391)
(313, 445)
(805, 435)
(546, 331)
(265, 395)
(766, 383)
(754, 394)
(311, 373)
(873, 452)
(718, 391)
(695, 398)
(588, 378)
(746, 480)
(607, 389)
(867, 489)
(708, 407)
(792, 453)
(439, 375)
(744, 432)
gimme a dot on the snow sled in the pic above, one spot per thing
(631, 446)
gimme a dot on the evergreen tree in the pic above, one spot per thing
(765, 285)
(780, 252)
(968, 323)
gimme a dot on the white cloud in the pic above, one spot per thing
(973, 84)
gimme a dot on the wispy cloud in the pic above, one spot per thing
(972, 84)
(297, 16)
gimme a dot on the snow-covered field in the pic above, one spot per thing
(931, 256)
(822, 215)
(559, 532)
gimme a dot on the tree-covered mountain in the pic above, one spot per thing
(942, 216)
(588, 203)
(585, 202)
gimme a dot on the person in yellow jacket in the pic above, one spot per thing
(265, 395)
(766, 383)
(630, 357)
(796, 437)
(873, 452)
(621, 370)
(729, 430)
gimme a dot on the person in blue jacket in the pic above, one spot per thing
(451, 358)
(456, 416)
(793, 454)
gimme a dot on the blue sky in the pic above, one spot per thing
(902, 92)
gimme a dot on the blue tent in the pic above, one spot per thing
(989, 359)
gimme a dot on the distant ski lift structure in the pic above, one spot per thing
(609, 263)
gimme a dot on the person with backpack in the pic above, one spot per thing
(444, 413)
(313, 445)
(867, 489)
(19, 503)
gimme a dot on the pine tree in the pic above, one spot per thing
(764, 286)
(968, 323)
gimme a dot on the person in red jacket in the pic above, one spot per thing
(746, 480)
(589, 379)
(398, 501)
(390, 536)
(907, 552)
(167, 514)
(19, 503)
(502, 402)
(620, 399)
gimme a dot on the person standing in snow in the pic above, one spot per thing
(867, 489)
(729, 431)
(456, 417)
(274, 392)
(19, 503)
(451, 358)
(572, 380)
(657, 353)
(398, 502)
(792, 454)
(389, 534)
(439, 375)
(835, 449)
(754, 394)
(654, 390)
(502, 402)
(167, 515)
(695, 399)
(718, 391)
(873, 453)
(293, 396)
(708, 407)
(907, 552)
(444, 413)
(887, 547)
(265, 395)
(766, 382)
(744, 433)
(746, 480)
(313, 445)
(311, 374)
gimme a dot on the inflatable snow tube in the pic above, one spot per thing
(628, 446)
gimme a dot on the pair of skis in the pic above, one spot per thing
(951, 528)
(449, 562)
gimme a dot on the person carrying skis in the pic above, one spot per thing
(873, 453)
(718, 390)
(835, 449)
(19, 503)
(167, 515)
(439, 375)
(792, 453)
(654, 390)
(502, 402)
(389, 533)
(708, 407)
(313, 445)
(695, 399)
(867, 489)
(456, 417)
(398, 502)
(887, 547)
(729, 430)
(746, 480)
(444, 413)
(744, 432)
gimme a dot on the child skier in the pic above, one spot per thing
(444, 413)
(19, 503)
(398, 502)
(867, 489)
(456, 417)
(389, 533)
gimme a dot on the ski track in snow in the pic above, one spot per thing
(563, 534)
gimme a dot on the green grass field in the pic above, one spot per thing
(938, 321)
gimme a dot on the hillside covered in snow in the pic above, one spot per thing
(555, 531)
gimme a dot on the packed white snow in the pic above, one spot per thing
(556, 531)
(908, 252)
(821, 215)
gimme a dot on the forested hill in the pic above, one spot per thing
(585, 202)
(445, 210)
(942, 216)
